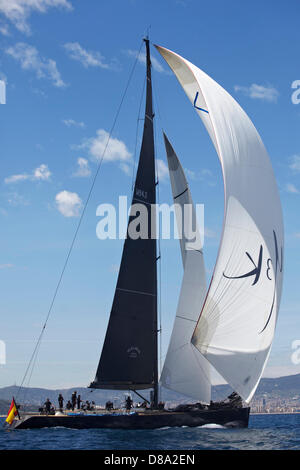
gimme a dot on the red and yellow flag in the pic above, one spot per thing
(12, 412)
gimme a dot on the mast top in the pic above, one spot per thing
(147, 42)
(146, 38)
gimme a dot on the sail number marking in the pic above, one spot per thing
(141, 193)
(256, 272)
(197, 107)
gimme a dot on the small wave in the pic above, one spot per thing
(173, 427)
(212, 426)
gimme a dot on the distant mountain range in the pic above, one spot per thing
(283, 387)
(4, 406)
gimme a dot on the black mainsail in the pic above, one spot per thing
(129, 355)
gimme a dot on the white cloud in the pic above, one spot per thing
(291, 188)
(15, 199)
(4, 29)
(205, 172)
(6, 266)
(126, 168)
(266, 93)
(209, 233)
(39, 92)
(71, 122)
(204, 175)
(29, 59)
(190, 174)
(41, 173)
(295, 163)
(83, 169)
(69, 204)
(86, 58)
(3, 77)
(162, 170)
(19, 11)
(115, 149)
(142, 59)
(114, 268)
(16, 178)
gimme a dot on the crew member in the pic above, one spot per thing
(73, 400)
(60, 402)
(128, 403)
(69, 405)
(47, 405)
(78, 402)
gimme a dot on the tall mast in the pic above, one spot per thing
(129, 358)
(149, 117)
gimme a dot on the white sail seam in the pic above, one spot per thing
(140, 200)
(135, 291)
(185, 318)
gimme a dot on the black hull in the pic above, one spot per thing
(229, 417)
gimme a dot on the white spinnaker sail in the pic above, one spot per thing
(185, 369)
(237, 322)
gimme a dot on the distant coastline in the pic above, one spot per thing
(276, 396)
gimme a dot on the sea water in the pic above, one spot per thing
(265, 432)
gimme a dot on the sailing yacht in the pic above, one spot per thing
(229, 326)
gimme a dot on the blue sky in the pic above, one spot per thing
(66, 64)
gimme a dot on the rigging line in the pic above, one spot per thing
(32, 368)
(205, 372)
(159, 252)
(160, 289)
(238, 290)
(136, 135)
(31, 361)
(156, 102)
(220, 292)
(156, 99)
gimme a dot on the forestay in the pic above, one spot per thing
(237, 322)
